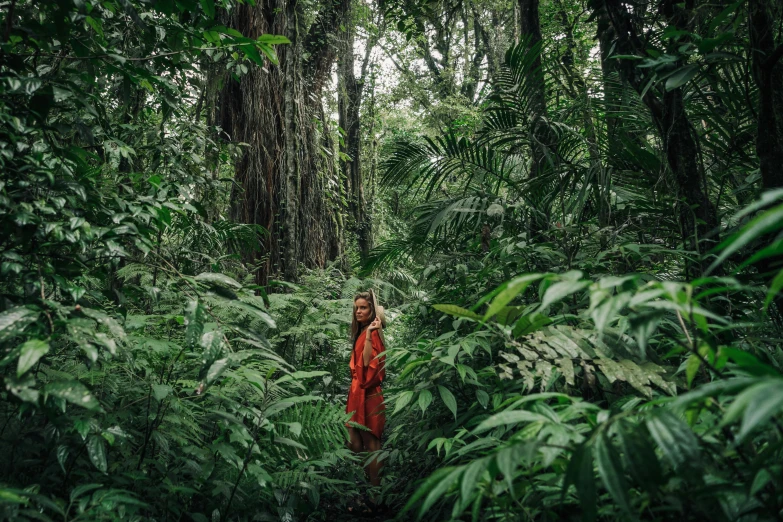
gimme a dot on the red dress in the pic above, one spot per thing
(364, 398)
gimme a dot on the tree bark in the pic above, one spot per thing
(606, 36)
(543, 140)
(768, 75)
(281, 179)
(530, 30)
(350, 95)
(697, 215)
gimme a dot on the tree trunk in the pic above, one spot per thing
(542, 139)
(281, 178)
(530, 30)
(768, 74)
(606, 37)
(350, 93)
(697, 216)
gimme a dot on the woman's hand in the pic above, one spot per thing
(375, 325)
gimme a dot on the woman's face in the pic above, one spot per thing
(362, 310)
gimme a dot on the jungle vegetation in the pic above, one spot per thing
(571, 209)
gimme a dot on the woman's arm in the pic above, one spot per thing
(367, 353)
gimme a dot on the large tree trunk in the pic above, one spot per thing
(349, 99)
(281, 178)
(768, 74)
(606, 37)
(697, 216)
(350, 94)
(530, 30)
(542, 139)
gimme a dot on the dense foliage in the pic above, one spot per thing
(123, 299)
(593, 356)
(571, 210)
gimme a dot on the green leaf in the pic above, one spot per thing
(611, 472)
(73, 392)
(425, 399)
(269, 52)
(580, 473)
(79, 491)
(209, 8)
(428, 486)
(760, 481)
(218, 279)
(301, 375)
(31, 352)
(507, 460)
(639, 452)
(62, 456)
(748, 362)
(457, 311)
(767, 401)
(675, 439)
(161, 391)
(764, 223)
(693, 365)
(95, 24)
(15, 320)
(7, 496)
(440, 488)
(530, 323)
(561, 290)
(273, 39)
(509, 417)
(216, 370)
(448, 399)
(681, 76)
(510, 290)
(774, 289)
(483, 398)
(402, 400)
(194, 321)
(470, 476)
(96, 450)
(212, 342)
(251, 52)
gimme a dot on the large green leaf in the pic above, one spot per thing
(448, 399)
(96, 450)
(511, 289)
(425, 399)
(31, 352)
(402, 400)
(611, 472)
(456, 311)
(73, 392)
(218, 279)
(766, 222)
(580, 473)
(681, 76)
(675, 439)
(15, 320)
(505, 418)
(561, 290)
(194, 321)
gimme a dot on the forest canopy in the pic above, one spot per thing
(572, 211)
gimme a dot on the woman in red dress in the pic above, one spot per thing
(367, 372)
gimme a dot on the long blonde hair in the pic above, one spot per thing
(368, 296)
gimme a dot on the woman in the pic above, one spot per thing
(367, 372)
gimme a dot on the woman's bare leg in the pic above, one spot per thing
(373, 468)
(355, 443)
